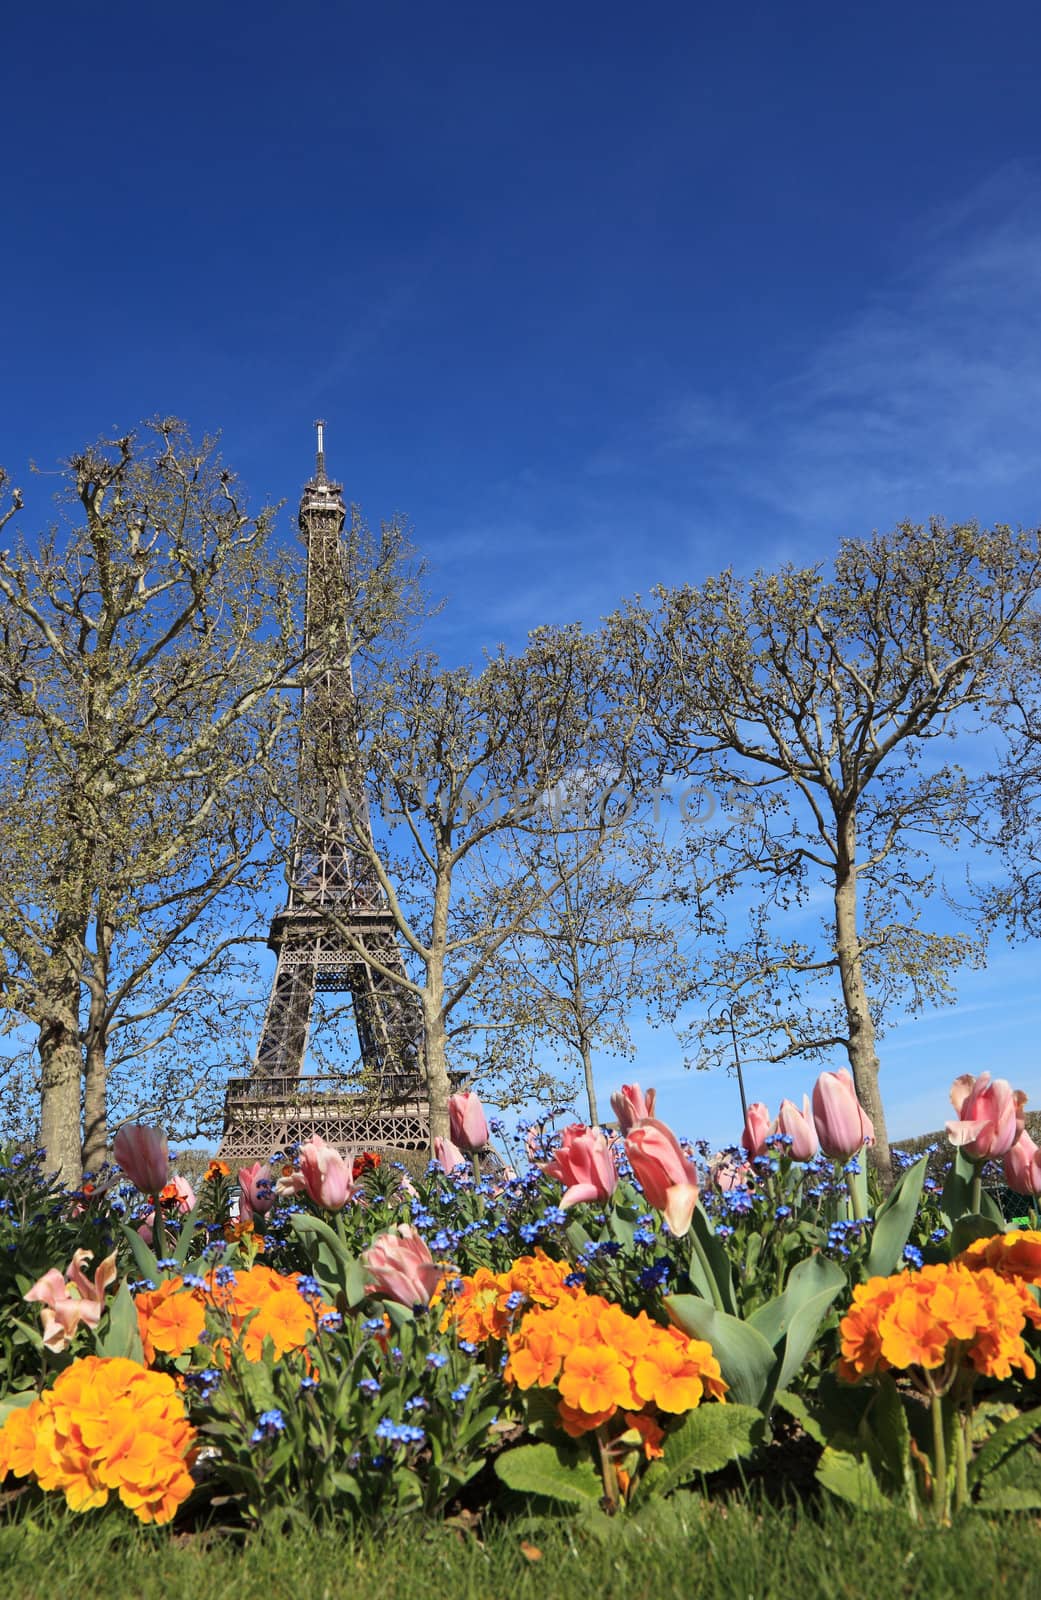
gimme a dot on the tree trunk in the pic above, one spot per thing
(95, 1107)
(436, 1065)
(587, 1069)
(95, 1081)
(863, 1059)
(435, 1055)
(61, 1066)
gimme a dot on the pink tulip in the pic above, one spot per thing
(666, 1177)
(401, 1267)
(466, 1121)
(757, 1130)
(798, 1127)
(990, 1116)
(328, 1176)
(726, 1174)
(533, 1146)
(143, 1154)
(842, 1123)
(62, 1311)
(256, 1191)
(290, 1184)
(448, 1155)
(1022, 1166)
(631, 1106)
(104, 1274)
(583, 1163)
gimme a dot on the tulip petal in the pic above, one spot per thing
(962, 1133)
(678, 1210)
(47, 1290)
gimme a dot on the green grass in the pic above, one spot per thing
(687, 1549)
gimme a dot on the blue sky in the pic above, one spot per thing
(598, 296)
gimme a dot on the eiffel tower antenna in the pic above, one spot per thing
(336, 932)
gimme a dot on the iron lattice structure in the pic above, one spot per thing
(335, 935)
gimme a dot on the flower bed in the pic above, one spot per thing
(624, 1318)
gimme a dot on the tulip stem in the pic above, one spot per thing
(696, 1249)
(977, 1191)
(853, 1188)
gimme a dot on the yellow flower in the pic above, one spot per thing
(536, 1358)
(169, 1319)
(594, 1379)
(942, 1317)
(1012, 1255)
(485, 1306)
(676, 1372)
(911, 1335)
(106, 1424)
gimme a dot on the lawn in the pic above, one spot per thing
(685, 1548)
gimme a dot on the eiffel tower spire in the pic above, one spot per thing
(335, 932)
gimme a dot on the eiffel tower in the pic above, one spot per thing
(336, 932)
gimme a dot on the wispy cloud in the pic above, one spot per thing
(927, 400)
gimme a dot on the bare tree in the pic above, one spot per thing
(811, 701)
(604, 947)
(444, 802)
(1008, 820)
(142, 646)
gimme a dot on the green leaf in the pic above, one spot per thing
(539, 1409)
(791, 1321)
(709, 1265)
(186, 1236)
(343, 1483)
(1010, 1497)
(576, 1236)
(144, 1258)
(122, 1335)
(354, 1276)
(708, 1438)
(304, 1224)
(802, 1336)
(809, 1278)
(841, 1409)
(542, 1469)
(621, 1227)
(796, 1407)
(894, 1220)
(30, 1335)
(753, 1250)
(1009, 1437)
(850, 1478)
(956, 1198)
(401, 1317)
(745, 1358)
(338, 1268)
(887, 1439)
